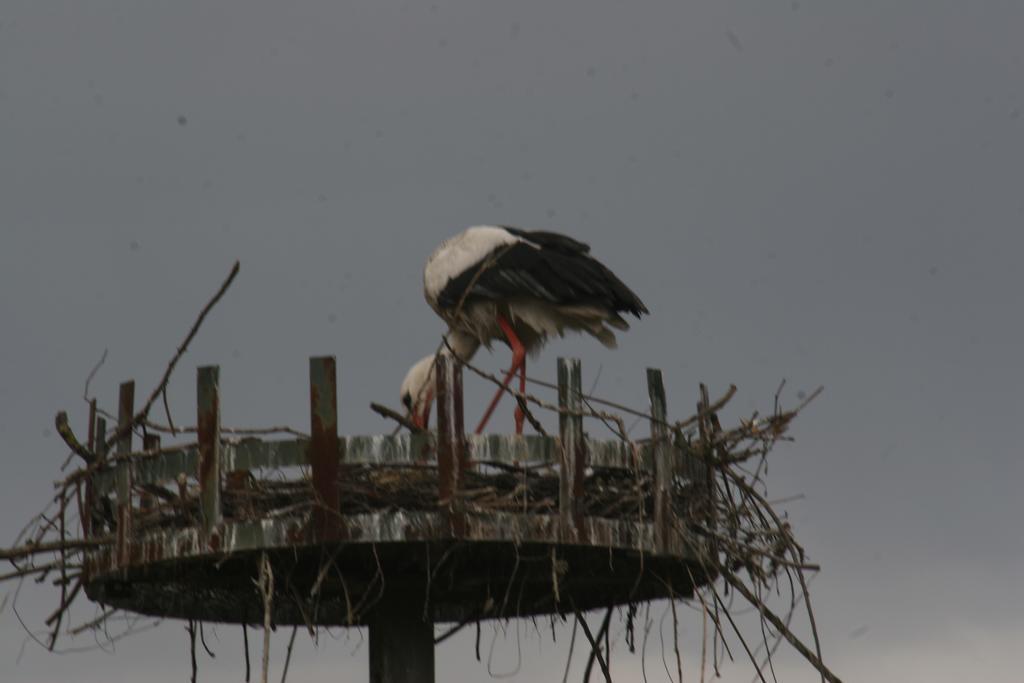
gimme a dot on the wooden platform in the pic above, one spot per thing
(447, 558)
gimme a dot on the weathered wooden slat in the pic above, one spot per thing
(616, 454)
(513, 449)
(253, 454)
(573, 456)
(208, 428)
(451, 439)
(125, 412)
(381, 449)
(664, 466)
(386, 449)
(166, 467)
(394, 527)
(324, 449)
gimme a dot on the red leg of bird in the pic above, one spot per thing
(425, 417)
(422, 419)
(518, 359)
(522, 390)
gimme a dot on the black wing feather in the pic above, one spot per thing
(558, 270)
(550, 240)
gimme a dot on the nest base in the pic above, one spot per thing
(448, 581)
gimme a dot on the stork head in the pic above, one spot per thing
(418, 391)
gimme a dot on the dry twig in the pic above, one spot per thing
(162, 386)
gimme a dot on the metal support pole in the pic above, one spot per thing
(401, 643)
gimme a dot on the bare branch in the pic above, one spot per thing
(161, 387)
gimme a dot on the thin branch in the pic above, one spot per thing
(595, 653)
(265, 584)
(202, 639)
(288, 655)
(37, 548)
(144, 412)
(191, 628)
(594, 647)
(245, 643)
(94, 623)
(387, 413)
(65, 432)
(92, 373)
(781, 627)
(572, 643)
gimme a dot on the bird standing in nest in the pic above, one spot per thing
(520, 287)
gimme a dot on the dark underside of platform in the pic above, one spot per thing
(443, 581)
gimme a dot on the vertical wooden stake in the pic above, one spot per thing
(92, 426)
(702, 472)
(663, 465)
(87, 517)
(324, 447)
(151, 442)
(452, 456)
(90, 524)
(123, 477)
(208, 426)
(573, 452)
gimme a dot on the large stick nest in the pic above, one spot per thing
(751, 545)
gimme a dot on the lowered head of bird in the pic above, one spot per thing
(417, 392)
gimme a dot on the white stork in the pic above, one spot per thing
(520, 287)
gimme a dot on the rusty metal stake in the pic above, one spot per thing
(125, 412)
(452, 456)
(664, 467)
(208, 423)
(324, 447)
(573, 450)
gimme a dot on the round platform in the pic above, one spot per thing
(507, 544)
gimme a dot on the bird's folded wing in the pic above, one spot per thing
(562, 274)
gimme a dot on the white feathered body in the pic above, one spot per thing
(521, 291)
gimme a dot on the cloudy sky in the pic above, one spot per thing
(830, 193)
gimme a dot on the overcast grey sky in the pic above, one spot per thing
(831, 193)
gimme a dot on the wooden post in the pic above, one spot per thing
(324, 449)
(663, 465)
(452, 457)
(125, 413)
(91, 445)
(208, 426)
(99, 447)
(572, 452)
(150, 442)
(702, 470)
